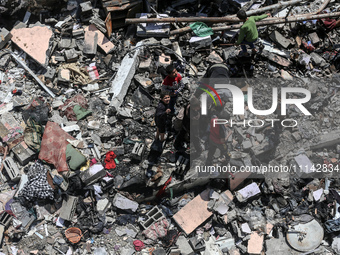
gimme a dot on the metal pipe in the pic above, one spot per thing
(267, 22)
(323, 6)
(23, 64)
(182, 19)
(231, 18)
(272, 7)
(280, 21)
(258, 11)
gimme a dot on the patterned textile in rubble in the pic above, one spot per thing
(37, 186)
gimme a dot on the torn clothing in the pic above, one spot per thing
(37, 186)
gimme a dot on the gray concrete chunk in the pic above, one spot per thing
(122, 81)
(124, 203)
(278, 38)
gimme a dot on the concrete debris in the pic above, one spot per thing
(34, 41)
(107, 135)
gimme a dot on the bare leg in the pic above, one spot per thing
(337, 23)
(157, 134)
(162, 136)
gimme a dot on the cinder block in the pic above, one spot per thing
(68, 208)
(138, 151)
(155, 214)
(5, 36)
(11, 169)
(23, 153)
(5, 219)
(182, 164)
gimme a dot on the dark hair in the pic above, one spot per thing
(169, 69)
(164, 93)
(242, 15)
(194, 102)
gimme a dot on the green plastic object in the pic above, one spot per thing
(201, 29)
(80, 112)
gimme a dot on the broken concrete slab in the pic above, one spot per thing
(280, 39)
(122, 80)
(314, 38)
(105, 44)
(277, 59)
(145, 65)
(200, 42)
(194, 213)
(90, 42)
(5, 36)
(124, 203)
(34, 41)
(247, 192)
(255, 243)
(184, 246)
(326, 140)
(214, 58)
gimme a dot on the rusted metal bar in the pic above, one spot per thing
(23, 64)
(231, 18)
(281, 20)
(323, 6)
(258, 11)
(182, 19)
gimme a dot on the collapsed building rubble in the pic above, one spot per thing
(81, 171)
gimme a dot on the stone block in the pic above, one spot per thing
(214, 58)
(71, 55)
(90, 42)
(64, 75)
(314, 38)
(105, 44)
(5, 36)
(124, 203)
(280, 39)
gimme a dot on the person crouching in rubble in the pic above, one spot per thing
(173, 84)
(248, 32)
(161, 115)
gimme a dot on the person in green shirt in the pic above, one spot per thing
(248, 32)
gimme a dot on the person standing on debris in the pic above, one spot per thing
(161, 115)
(248, 32)
(218, 139)
(173, 84)
(194, 108)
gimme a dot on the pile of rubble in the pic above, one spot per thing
(79, 87)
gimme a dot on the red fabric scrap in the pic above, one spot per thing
(93, 161)
(162, 189)
(110, 160)
(139, 245)
(53, 146)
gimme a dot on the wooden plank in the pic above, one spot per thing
(108, 24)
